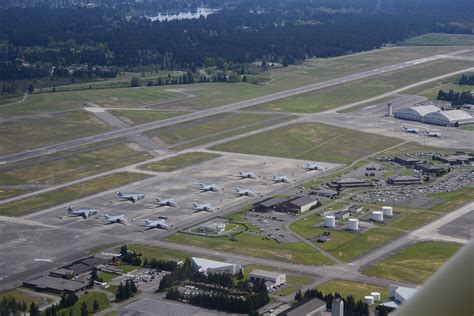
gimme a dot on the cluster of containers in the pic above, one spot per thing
(353, 223)
(378, 216)
(372, 298)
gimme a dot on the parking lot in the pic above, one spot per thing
(271, 225)
(146, 280)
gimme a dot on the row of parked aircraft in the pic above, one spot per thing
(418, 131)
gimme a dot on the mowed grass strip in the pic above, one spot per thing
(71, 165)
(77, 191)
(257, 246)
(441, 39)
(22, 296)
(311, 141)
(136, 117)
(89, 299)
(356, 289)
(178, 162)
(453, 199)
(152, 252)
(414, 264)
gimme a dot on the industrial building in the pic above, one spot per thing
(406, 160)
(327, 193)
(303, 204)
(431, 114)
(55, 285)
(211, 266)
(355, 208)
(269, 205)
(430, 169)
(398, 296)
(306, 308)
(86, 265)
(349, 183)
(340, 215)
(404, 180)
(457, 159)
(212, 228)
(271, 279)
(415, 113)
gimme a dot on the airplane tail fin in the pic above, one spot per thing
(69, 208)
(241, 172)
(118, 193)
(158, 199)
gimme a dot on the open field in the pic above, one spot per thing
(157, 253)
(38, 132)
(305, 226)
(411, 147)
(356, 289)
(88, 298)
(441, 39)
(454, 199)
(363, 88)
(136, 117)
(411, 220)
(430, 90)
(252, 245)
(60, 101)
(25, 296)
(180, 161)
(318, 142)
(287, 290)
(415, 263)
(201, 128)
(8, 193)
(468, 128)
(77, 191)
(70, 165)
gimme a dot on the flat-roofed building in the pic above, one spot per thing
(212, 227)
(303, 204)
(350, 183)
(406, 160)
(404, 180)
(55, 285)
(262, 276)
(327, 193)
(308, 308)
(270, 205)
(355, 208)
(457, 159)
(344, 214)
(211, 266)
(431, 169)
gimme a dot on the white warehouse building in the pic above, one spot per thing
(448, 118)
(211, 266)
(272, 279)
(415, 113)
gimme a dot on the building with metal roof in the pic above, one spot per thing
(303, 203)
(212, 266)
(275, 278)
(415, 113)
(448, 118)
(308, 308)
(55, 285)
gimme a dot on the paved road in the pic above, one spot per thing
(213, 111)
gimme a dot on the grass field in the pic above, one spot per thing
(87, 298)
(26, 297)
(415, 147)
(107, 277)
(205, 127)
(318, 142)
(454, 199)
(411, 220)
(253, 245)
(441, 39)
(362, 89)
(178, 162)
(8, 193)
(152, 252)
(305, 226)
(287, 290)
(356, 289)
(38, 132)
(136, 117)
(415, 263)
(77, 191)
(70, 165)
(430, 90)
(468, 128)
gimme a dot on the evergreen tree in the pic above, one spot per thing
(96, 306)
(84, 311)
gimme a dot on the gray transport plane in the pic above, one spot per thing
(312, 166)
(82, 212)
(205, 207)
(434, 134)
(166, 202)
(132, 197)
(208, 187)
(411, 130)
(278, 178)
(244, 192)
(118, 219)
(247, 174)
(161, 224)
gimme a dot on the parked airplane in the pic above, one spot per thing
(161, 224)
(277, 178)
(312, 166)
(119, 219)
(434, 134)
(132, 197)
(208, 187)
(411, 130)
(83, 212)
(166, 202)
(244, 192)
(206, 207)
(247, 174)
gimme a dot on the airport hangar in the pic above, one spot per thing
(431, 114)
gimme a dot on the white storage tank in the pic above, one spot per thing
(330, 221)
(353, 224)
(369, 300)
(376, 296)
(377, 216)
(387, 210)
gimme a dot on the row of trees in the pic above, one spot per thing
(456, 98)
(351, 306)
(10, 306)
(126, 291)
(466, 80)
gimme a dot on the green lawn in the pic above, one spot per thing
(411, 220)
(7, 193)
(454, 199)
(311, 141)
(152, 252)
(135, 117)
(26, 297)
(88, 298)
(178, 162)
(415, 263)
(468, 128)
(305, 226)
(107, 277)
(43, 131)
(287, 290)
(71, 165)
(253, 245)
(77, 191)
(356, 289)
(441, 39)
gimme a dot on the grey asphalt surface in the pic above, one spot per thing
(217, 110)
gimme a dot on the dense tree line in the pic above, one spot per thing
(466, 80)
(10, 306)
(126, 291)
(167, 265)
(351, 306)
(456, 98)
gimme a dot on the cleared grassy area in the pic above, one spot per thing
(136, 117)
(318, 142)
(362, 89)
(415, 147)
(468, 128)
(76, 164)
(411, 220)
(178, 162)
(287, 290)
(430, 90)
(441, 39)
(305, 226)
(252, 245)
(25, 297)
(107, 277)
(415, 263)
(38, 132)
(152, 252)
(296, 279)
(207, 126)
(87, 298)
(77, 191)
(356, 289)
(454, 199)
(8, 193)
